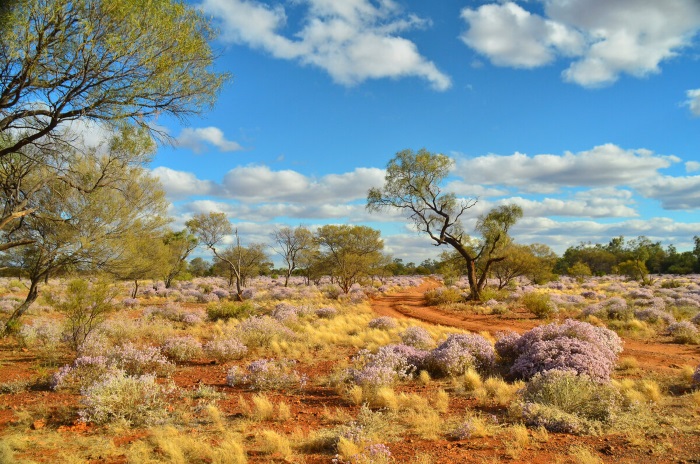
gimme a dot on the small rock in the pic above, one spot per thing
(38, 424)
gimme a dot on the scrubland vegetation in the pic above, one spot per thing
(309, 373)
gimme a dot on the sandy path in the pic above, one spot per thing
(653, 355)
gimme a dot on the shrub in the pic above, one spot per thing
(383, 323)
(696, 376)
(182, 348)
(564, 401)
(573, 345)
(262, 330)
(417, 337)
(86, 306)
(266, 374)
(83, 372)
(684, 332)
(138, 361)
(389, 364)
(225, 349)
(327, 312)
(225, 310)
(285, 312)
(443, 295)
(460, 352)
(136, 400)
(540, 304)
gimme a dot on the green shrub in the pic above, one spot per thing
(493, 293)
(539, 304)
(443, 295)
(226, 310)
(564, 401)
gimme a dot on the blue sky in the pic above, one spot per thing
(584, 112)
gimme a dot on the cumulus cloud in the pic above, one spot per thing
(693, 101)
(692, 166)
(585, 206)
(197, 139)
(263, 184)
(180, 184)
(674, 192)
(604, 38)
(604, 165)
(352, 40)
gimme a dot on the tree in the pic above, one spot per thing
(198, 267)
(83, 231)
(412, 184)
(291, 244)
(350, 253)
(113, 61)
(210, 229)
(533, 261)
(144, 256)
(179, 246)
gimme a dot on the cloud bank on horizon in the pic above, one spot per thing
(376, 51)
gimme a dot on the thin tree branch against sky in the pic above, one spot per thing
(583, 113)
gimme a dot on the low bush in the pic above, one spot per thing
(225, 310)
(389, 364)
(573, 345)
(460, 352)
(417, 337)
(539, 304)
(182, 348)
(135, 400)
(443, 295)
(564, 401)
(262, 330)
(225, 349)
(138, 361)
(266, 374)
(383, 323)
(684, 332)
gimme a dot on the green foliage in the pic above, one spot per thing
(443, 296)
(86, 305)
(225, 310)
(579, 270)
(539, 304)
(114, 61)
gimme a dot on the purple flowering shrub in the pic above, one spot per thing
(285, 312)
(417, 337)
(181, 349)
(569, 402)
(383, 323)
(572, 345)
(173, 312)
(653, 315)
(460, 352)
(391, 363)
(267, 374)
(82, 372)
(696, 376)
(225, 349)
(136, 400)
(327, 312)
(139, 361)
(262, 330)
(376, 453)
(506, 346)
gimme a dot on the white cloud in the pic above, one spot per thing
(606, 38)
(604, 165)
(693, 101)
(352, 40)
(180, 184)
(511, 36)
(692, 166)
(586, 206)
(674, 192)
(198, 139)
(260, 183)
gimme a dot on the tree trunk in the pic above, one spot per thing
(11, 323)
(286, 278)
(136, 288)
(239, 292)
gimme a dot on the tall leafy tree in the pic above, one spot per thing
(413, 184)
(83, 231)
(350, 253)
(113, 61)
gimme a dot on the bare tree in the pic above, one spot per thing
(291, 244)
